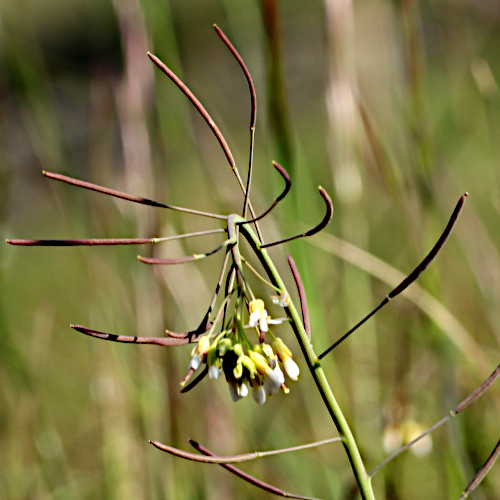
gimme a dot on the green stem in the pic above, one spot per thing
(362, 478)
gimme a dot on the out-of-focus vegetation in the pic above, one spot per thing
(392, 106)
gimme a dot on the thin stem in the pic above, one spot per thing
(235, 459)
(216, 292)
(125, 196)
(196, 381)
(258, 276)
(188, 235)
(411, 277)
(164, 341)
(253, 114)
(482, 472)
(288, 185)
(251, 479)
(410, 444)
(109, 241)
(187, 258)
(74, 243)
(315, 229)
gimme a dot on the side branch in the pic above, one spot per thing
(253, 113)
(233, 459)
(74, 243)
(188, 258)
(459, 408)
(411, 277)
(164, 341)
(251, 479)
(482, 472)
(125, 196)
(288, 185)
(314, 230)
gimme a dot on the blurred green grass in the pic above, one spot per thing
(392, 106)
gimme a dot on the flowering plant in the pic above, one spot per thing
(235, 337)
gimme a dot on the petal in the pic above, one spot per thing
(276, 321)
(259, 394)
(263, 324)
(254, 318)
(195, 362)
(214, 372)
(242, 390)
(233, 391)
(279, 374)
(271, 382)
(291, 368)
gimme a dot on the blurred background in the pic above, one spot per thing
(392, 106)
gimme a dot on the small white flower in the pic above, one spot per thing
(195, 361)
(214, 371)
(271, 378)
(279, 374)
(283, 299)
(259, 316)
(199, 353)
(258, 394)
(243, 390)
(237, 391)
(291, 368)
(285, 356)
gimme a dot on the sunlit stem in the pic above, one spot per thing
(234, 459)
(188, 235)
(259, 276)
(350, 446)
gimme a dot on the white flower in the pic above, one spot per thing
(259, 316)
(259, 394)
(236, 390)
(199, 353)
(283, 299)
(291, 368)
(285, 356)
(279, 374)
(214, 371)
(271, 377)
(243, 390)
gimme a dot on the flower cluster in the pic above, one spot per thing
(257, 367)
